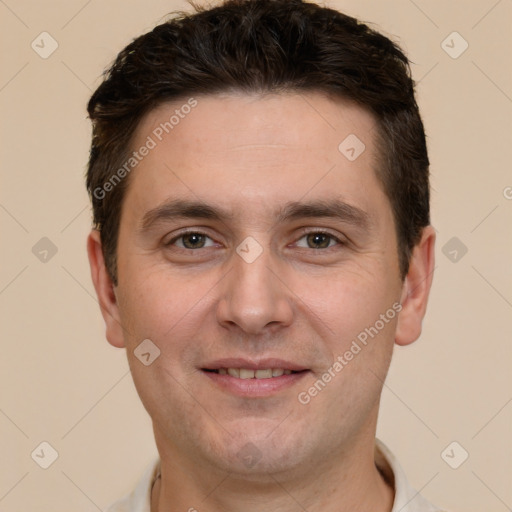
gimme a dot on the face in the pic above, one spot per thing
(260, 258)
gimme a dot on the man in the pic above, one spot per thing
(259, 180)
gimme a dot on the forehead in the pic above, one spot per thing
(266, 149)
(239, 120)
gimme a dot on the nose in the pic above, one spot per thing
(254, 299)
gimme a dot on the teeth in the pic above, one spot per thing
(263, 374)
(234, 372)
(245, 373)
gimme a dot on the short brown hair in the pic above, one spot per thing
(262, 46)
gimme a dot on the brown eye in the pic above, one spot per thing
(318, 240)
(193, 240)
(190, 240)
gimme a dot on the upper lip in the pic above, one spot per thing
(253, 364)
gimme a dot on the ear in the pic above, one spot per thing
(416, 289)
(105, 290)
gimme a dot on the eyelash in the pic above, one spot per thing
(303, 234)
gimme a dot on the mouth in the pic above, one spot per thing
(247, 373)
(246, 378)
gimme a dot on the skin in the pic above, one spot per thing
(301, 300)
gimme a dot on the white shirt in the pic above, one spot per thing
(407, 499)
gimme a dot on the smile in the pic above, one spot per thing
(247, 373)
(254, 383)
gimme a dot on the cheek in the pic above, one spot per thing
(147, 306)
(347, 301)
(167, 309)
(362, 317)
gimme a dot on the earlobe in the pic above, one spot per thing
(104, 290)
(416, 289)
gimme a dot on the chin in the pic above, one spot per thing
(258, 454)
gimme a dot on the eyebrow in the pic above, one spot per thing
(183, 208)
(325, 208)
(294, 210)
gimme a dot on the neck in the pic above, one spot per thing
(346, 482)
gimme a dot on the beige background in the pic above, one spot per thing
(62, 383)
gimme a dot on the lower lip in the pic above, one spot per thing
(255, 387)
